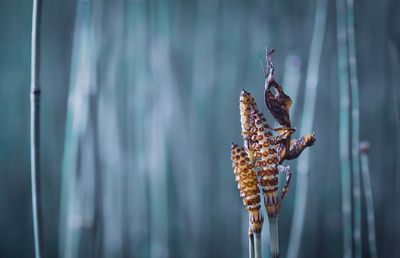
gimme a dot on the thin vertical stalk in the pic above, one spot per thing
(203, 79)
(108, 107)
(35, 128)
(274, 237)
(395, 67)
(257, 245)
(251, 245)
(355, 129)
(306, 126)
(366, 176)
(137, 67)
(344, 136)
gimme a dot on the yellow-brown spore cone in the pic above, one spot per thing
(265, 154)
(247, 185)
(247, 104)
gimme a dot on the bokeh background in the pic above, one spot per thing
(140, 105)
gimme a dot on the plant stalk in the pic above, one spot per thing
(257, 245)
(307, 120)
(35, 128)
(344, 126)
(251, 245)
(369, 204)
(274, 237)
(355, 128)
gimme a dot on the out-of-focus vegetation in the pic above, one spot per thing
(139, 105)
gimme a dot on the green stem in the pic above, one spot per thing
(344, 126)
(251, 245)
(369, 205)
(257, 245)
(355, 129)
(35, 128)
(274, 237)
(310, 99)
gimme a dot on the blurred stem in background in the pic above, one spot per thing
(137, 68)
(158, 127)
(355, 128)
(394, 56)
(203, 69)
(35, 129)
(77, 189)
(291, 80)
(369, 200)
(344, 126)
(109, 107)
(307, 120)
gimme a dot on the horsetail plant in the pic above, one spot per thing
(355, 128)
(344, 126)
(258, 164)
(307, 120)
(369, 200)
(247, 183)
(35, 128)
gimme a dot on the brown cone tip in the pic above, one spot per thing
(244, 92)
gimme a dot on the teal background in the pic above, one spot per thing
(139, 107)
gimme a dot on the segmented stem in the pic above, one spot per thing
(355, 129)
(35, 128)
(274, 237)
(344, 136)
(306, 126)
(251, 245)
(369, 200)
(257, 245)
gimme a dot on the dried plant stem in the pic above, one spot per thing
(35, 128)
(251, 245)
(369, 204)
(257, 245)
(355, 129)
(344, 136)
(306, 126)
(274, 237)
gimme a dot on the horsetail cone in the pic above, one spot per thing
(265, 153)
(246, 179)
(247, 104)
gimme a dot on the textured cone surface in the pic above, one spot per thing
(247, 104)
(266, 157)
(246, 179)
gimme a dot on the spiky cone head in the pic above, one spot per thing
(265, 153)
(247, 104)
(246, 179)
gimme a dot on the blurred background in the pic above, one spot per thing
(140, 102)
